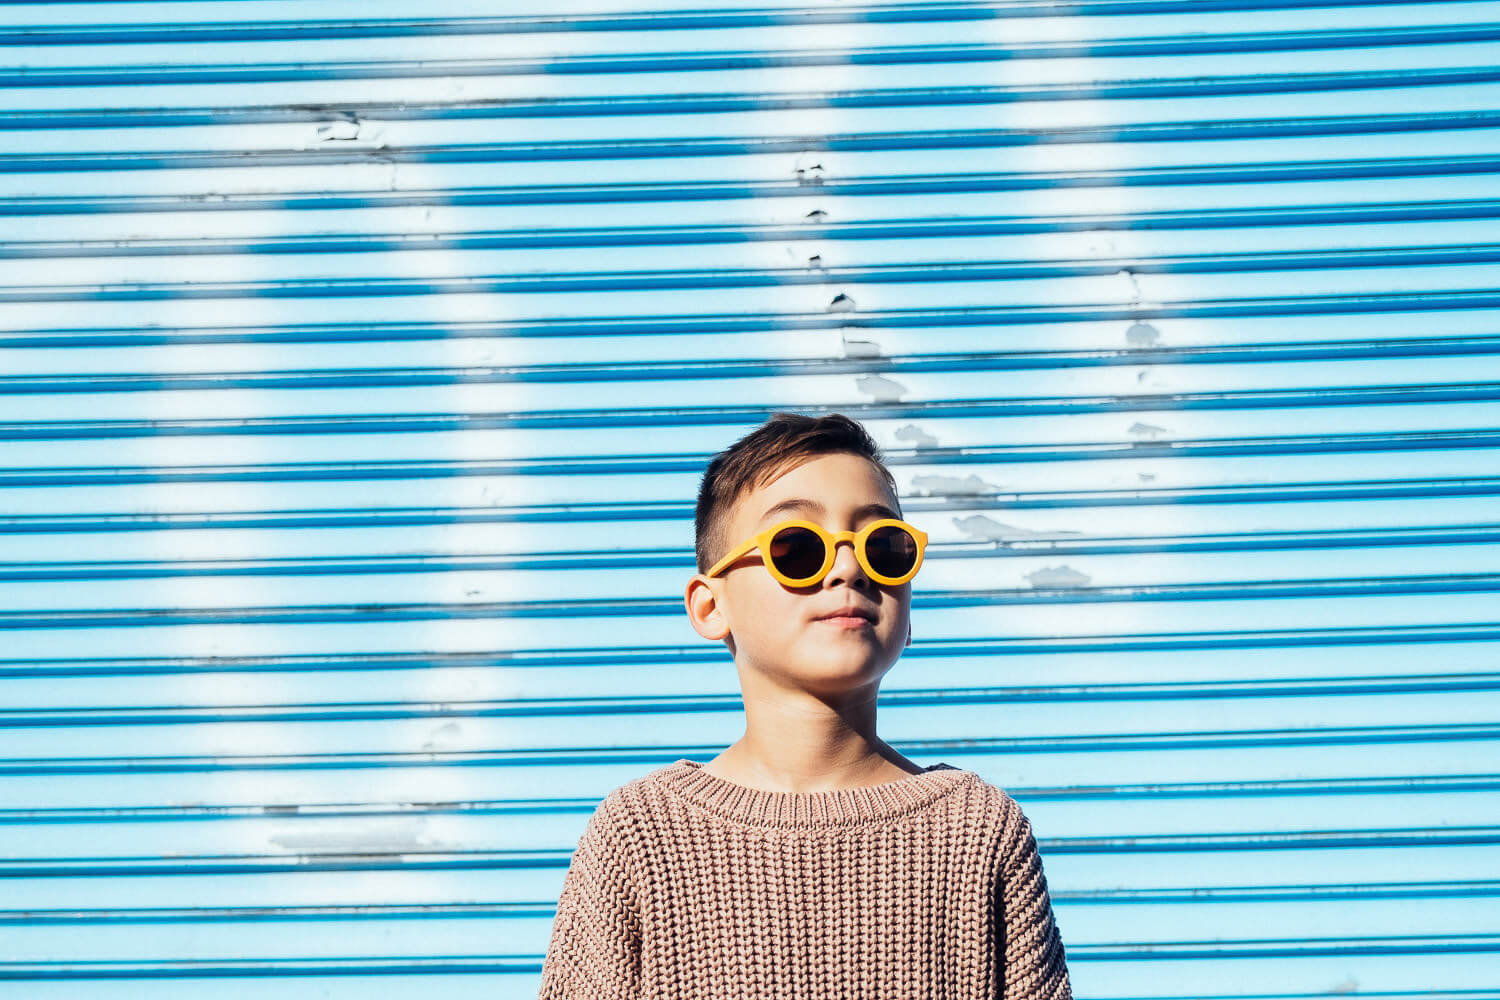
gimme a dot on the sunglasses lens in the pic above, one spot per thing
(892, 551)
(797, 552)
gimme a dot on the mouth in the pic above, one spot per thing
(849, 618)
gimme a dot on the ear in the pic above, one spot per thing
(703, 608)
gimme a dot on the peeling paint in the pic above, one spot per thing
(916, 436)
(880, 388)
(939, 485)
(811, 175)
(859, 348)
(816, 215)
(1058, 578)
(342, 130)
(986, 529)
(1149, 431)
(841, 303)
(1142, 335)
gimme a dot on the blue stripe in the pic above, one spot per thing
(594, 757)
(543, 858)
(1309, 444)
(1317, 588)
(229, 968)
(375, 423)
(86, 34)
(383, 517)
(686, 656)
(710, 369)
(77, 717)
(1417, 944)
(859, 229)
(375, 911)
(676, 104)
(1273, 893)
(688, 61)
(365, 967)
(642, 558)
(812, 187)
(623, 326)
(450, 911)
(803, 274)
(619, 149)
(1422, 784)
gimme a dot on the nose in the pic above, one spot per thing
(846, 568)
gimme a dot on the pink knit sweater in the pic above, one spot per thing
(686, 886)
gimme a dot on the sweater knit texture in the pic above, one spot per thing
(686, 886)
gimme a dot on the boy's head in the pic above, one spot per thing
(754, 460)
(833, 466)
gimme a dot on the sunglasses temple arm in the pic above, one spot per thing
(729, 559)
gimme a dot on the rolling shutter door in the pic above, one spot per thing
(358, 368)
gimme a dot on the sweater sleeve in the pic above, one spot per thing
(1033, 963)
(595, 949)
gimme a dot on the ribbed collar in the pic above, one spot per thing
(795, 810)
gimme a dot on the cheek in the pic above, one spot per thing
(900, 617)
(769, 610)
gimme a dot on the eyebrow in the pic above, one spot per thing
(801, 503)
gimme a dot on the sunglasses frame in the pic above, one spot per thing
(761, 539)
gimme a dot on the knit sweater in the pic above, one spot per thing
(686, 886)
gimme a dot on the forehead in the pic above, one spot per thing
(827, 486)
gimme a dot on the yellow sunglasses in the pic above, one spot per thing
(800, 553)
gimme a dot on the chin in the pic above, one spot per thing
(852, 662)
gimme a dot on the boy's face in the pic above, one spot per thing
(777, 629)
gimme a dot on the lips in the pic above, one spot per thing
(850, 612)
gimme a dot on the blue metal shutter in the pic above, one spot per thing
(359, 367)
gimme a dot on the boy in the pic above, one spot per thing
(810, 859)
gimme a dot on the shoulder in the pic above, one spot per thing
(999, 819)
(992, 799)
(629, 809)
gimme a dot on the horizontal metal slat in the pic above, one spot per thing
(324, 378)
(625, 656)
(518, 909)
(1064, 592)
(416, 859)
(622, 149)
(681, 61)
(814, 273)
(1434, 944)
(230, 29)
(678, 103)
(506, 909)
(601, 465)
(1330, 490)
(1342, 736)
(1415, 944)
(698, 325)
(1018, 545)
(440, 422)
(104, 715)
(815, 183)
(1396, 784)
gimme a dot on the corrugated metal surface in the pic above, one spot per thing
(359, 366)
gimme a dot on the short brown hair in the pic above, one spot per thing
(758, 457)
